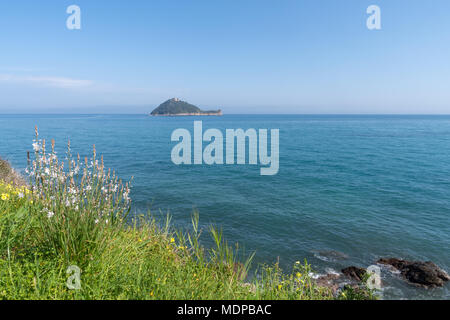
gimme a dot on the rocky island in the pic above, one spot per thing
(176, 107)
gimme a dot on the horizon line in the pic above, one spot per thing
(237, 114)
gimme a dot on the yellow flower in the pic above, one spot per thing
(5, 196)
(172, 240)
(280, 286)
(151, 294)
(299, 275)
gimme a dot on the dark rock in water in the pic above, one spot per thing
(354, 273)
(425, 274)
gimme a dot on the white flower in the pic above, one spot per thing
(96, 221)
(20, 195)
(50, 214)
(36, 146)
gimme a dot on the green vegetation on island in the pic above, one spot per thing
(74, 212)
(176, 107)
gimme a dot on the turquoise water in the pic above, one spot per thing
(364, 186)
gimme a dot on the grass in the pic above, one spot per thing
(75, 214)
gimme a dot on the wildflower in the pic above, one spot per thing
(280, 286)
(297, 262)
(96, 221)
(299, 275)
(172, 240)
(151, 294)
(20, 195)
(50, 214)
(36, 146)
(5, 196)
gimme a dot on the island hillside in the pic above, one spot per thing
(176, 107)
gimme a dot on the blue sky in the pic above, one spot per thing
(246, 56)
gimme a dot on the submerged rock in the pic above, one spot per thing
(331, 255)
(425, 274)
(354, 273)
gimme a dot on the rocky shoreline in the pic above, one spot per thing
(424, 274)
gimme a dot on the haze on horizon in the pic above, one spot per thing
(293, 56)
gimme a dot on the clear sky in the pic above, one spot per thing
(244, 56)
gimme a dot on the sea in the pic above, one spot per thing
(350, 188)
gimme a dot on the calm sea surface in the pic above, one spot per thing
(350, 189)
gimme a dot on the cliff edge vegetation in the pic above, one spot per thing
(9, 175)
(69, 236)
